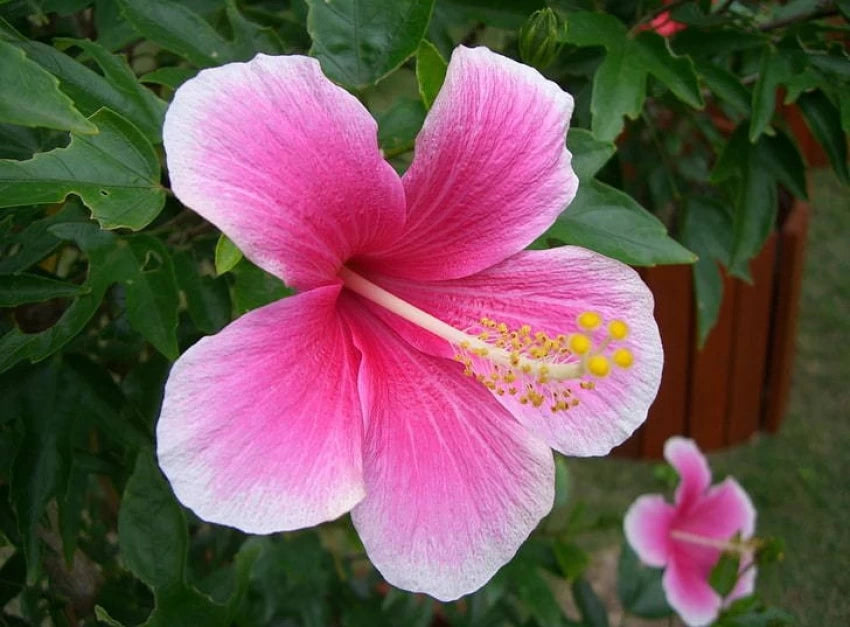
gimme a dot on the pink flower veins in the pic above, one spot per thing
(688, 537)
(427, 364)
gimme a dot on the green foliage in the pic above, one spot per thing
(639, 587)
(430, 72)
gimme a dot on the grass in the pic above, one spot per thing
(799, 479)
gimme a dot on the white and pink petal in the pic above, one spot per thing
(692, 467)
(454, 484)
(261, 425)
(285, 163)
(491, 171)
(548, 290)
(647, 526)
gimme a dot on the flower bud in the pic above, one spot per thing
(540, 38)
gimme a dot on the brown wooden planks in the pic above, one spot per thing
(672, 287)
(751, 330)
(792, 245)
(708, 401)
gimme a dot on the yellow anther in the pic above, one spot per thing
(526, 368)
(494, 376)
(589, 320)
(623, 357)
(490, 385)
(618, 329)
(483, 335)
(483, 352)
(598, 365)
(574, 402)
(510, 377)
(580, 343)
(540, 336)
(587, 385)
(468, 372)
(464, 344)
(524, 330)
(512, 390)
(537, 401)
(500, 391)
(561, 339)
(523, 400)
(502, 328)
(516, 344)
(514, 358)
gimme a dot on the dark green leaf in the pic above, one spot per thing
(90, 91)
(589, 154)
(115, 173)
(171, 77)
(780, 157)
(359, 42)
(572, 560)
(727, 87)
(772, 71)
(113, 31)
(676, 72)
(138, 104)
(254, 288)
(227, 255)
(13, 575)
(152, 294)
(619, 89)
(430, 72)
(151, 528)
(250, 38)
(639, 587)
(179, 605)
(20, 142)
(103, 616)
(507, 14)
(32, 288)
(585, 28)
(70, 501)
(611, 222)
(207, 298)
(755, 215)
(398, 127)
(31, 96)
(824, 120)
(178, 29)
(724, 575)
(707, 230)
(563, 488)
(592, 609)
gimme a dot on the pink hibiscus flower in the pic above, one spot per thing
(427, 364)
(688, 537)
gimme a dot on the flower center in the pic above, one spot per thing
(530, 364)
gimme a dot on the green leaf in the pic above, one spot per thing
(171, 77)
(227, 255)
(32, 288)
(639, 587)
(152, 531)
(31, 96)
(89, 90)
(772, 71)
(572, 560)
(137, 103)
(36, 470)
(115, 173)
(178, 29)
(254, 288)
(676, 72)
(13, 576)
(250, 38)
(611, 222)
(207, 298)
(103, 616)
(589, 154)
(563, 487)
(586, 28)
(780, 157)
(398, 127)
(430, 72)
(727, 87)
(592, 608)
(358, 42)
(619, 89)
(824, 120)
(755, 214)
(34, 241)
(180, 605)
(707, 230)
(152, 294)
(724, 575)
(20, 142)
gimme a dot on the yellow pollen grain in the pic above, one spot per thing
(589, 320)
(580, 343)
(510, 377)
(526, 368)
(618, 329)
(524, 330)
(623, 357)
(512, 390)
(483, 335)
(598, 366)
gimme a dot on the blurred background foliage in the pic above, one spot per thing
(683, 146)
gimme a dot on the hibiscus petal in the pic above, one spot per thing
(689, 593)
(720, 513)
(454, 484)
(491, 170)
(647, 527)
(285, 163)
(548, 290)
(261, 426)
(695, 475)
